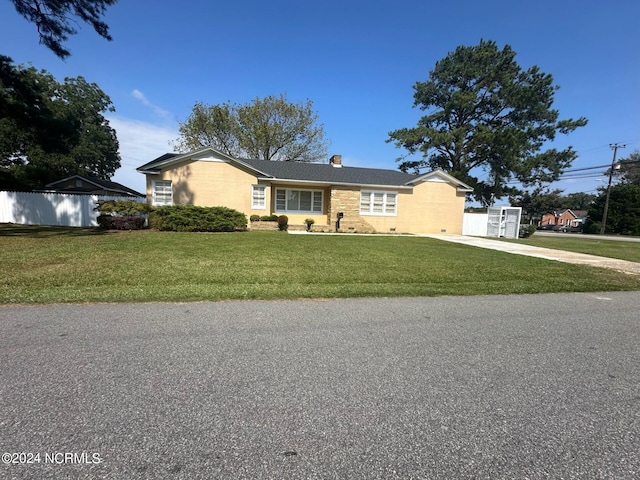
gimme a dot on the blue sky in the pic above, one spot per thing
(357, 61)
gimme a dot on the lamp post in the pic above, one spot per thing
(615, 147)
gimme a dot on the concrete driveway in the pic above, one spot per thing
(547, 253)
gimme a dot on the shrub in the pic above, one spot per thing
(123, 207)
(121, 222)
(269, 218)
(129, 222)
(254, 218)
(592, 227)
(526, 231)
(309, 222)
(105, 221)
(283, 223)
(122, 214)
(190, 218)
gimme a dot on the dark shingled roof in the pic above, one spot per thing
(155, 161)
(309, 172)
(98, 182)
(323, 172)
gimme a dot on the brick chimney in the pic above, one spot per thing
(336, 161)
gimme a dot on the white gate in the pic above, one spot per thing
(503, 221)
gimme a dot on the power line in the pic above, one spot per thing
(586, 168)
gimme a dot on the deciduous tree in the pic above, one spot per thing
(50, 130)
(271, 128)
(487, 122)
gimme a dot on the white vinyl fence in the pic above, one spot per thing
(60, 209)
(475, 224)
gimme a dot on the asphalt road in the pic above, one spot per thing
(540, 386)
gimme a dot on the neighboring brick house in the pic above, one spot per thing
(368, 199)
(565, 218)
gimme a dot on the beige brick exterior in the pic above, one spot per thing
(210, 184)
(347, 201)
(432, 206)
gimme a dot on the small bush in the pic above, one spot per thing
(592, 227)
(122, 215)
(123, 207)
(526, 231)
(309, 222)
(283, 223)
(254, 218)
(269, 218)
(121, 222)
(190, 218)
(105, 221)
(128, 222)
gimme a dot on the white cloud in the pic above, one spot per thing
(138, 95)
(140, 142)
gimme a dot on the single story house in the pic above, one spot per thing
(88, 185)
(566, 218)
(361, 199)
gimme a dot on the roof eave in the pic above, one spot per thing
(157, 168)
(147, 170)
(460, 185)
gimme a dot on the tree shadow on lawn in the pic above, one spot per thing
(44, 231)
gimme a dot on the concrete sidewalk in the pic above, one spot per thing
(546, 253)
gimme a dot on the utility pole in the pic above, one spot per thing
(615, 147)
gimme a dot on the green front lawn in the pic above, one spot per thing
(603, 248)
(43, 265)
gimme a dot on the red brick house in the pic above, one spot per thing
(565, 218)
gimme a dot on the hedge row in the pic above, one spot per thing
(190, 218)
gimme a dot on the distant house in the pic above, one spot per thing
(360, 199)
(83, 184)
(565, 218)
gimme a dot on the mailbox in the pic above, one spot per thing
(340, 217)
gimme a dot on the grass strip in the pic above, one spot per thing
(603, 248)
(51, 265)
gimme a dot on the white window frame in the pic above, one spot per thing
(155, 185)
(370, 198)
(258, 202)
(314, 200)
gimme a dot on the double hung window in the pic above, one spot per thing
(162, 192)
(378, 203)
(258, 197)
